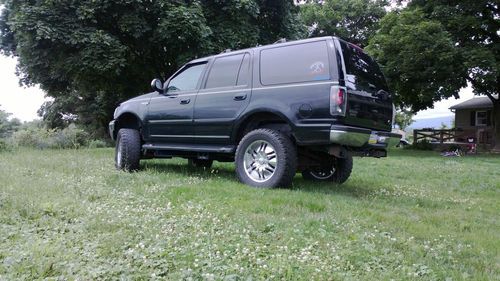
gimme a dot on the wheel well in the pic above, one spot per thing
(128, 121)
(263, 120)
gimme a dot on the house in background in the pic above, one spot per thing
(473, 120)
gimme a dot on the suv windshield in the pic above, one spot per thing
(362, 69)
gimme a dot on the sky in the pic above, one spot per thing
(23, 102)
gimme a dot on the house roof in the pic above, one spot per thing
(477, 102)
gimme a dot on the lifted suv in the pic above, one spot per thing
(307, 106)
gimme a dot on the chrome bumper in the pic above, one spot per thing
(358, 137)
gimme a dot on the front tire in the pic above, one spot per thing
(266, 158)
(338, 172)
(128, 150)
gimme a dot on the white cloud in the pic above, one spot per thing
(441, 108)
(22, 102)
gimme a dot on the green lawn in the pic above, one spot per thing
(68, 214)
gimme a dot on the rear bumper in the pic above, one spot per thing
(112, 129)
(359, 137)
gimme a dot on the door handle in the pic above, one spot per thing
(240, 97)
(185, 101)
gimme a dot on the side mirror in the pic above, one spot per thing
(157, 86)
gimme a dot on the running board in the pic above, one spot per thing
(191, 147)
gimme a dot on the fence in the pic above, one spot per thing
(441, 136)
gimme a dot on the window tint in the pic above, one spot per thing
(296, 63)
(244, 74)
(361, 68)
(224, 72)
(187, 79)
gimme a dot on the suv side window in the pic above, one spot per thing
(188, 79)
(295, 63)
(224, 72)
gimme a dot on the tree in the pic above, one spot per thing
(404, 118)
(90, 55)
(353, 20)
(7, 125)
(431, 49)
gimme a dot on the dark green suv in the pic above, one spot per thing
(306, 105)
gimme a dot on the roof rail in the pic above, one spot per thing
(281, 40)
(226, 51)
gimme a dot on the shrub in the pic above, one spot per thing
(97, 144)
(4, 146)
(33, 137)
(70, 137)
(42, 138)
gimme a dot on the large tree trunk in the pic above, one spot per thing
(496, 125)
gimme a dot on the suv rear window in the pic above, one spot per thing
(362, 68)
(295, 63)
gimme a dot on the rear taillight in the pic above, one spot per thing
(338, 100)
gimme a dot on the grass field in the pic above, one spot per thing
(68, 214)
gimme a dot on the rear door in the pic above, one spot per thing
(222, 99)
(369, 103)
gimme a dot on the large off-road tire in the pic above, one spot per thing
(128, 150)
(338, 172)
(266, 158)
(200, 163)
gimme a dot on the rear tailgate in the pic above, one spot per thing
(369, 104)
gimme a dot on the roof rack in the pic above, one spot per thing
(281, 40)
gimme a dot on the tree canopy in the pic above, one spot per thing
(418, 58)
(89, 55)
(353, 20)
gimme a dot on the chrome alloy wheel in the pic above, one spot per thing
(324, 174)
(260, 161)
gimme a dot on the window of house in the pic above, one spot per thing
(481, 118)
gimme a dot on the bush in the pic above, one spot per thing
(70, 137)
(33, 137)
(4, 146)
(97, 144)
(41, 138)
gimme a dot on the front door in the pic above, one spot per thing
(224, 96)
(170, 115)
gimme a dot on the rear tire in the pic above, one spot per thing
(339, 172)
(128, 150)
(200, 163)
(266, 158)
